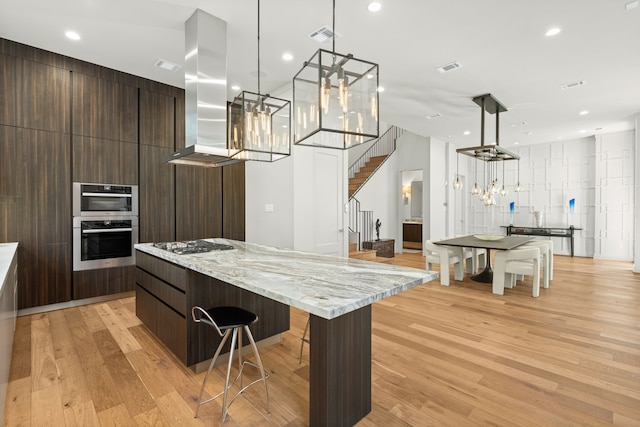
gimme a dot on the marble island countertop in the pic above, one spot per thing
(322, 285)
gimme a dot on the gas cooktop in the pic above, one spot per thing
(192, 247)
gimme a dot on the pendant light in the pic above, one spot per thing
(491, 154)
(259, 125)
(457, 183)
(335, 99)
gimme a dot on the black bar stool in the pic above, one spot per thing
(230, 321)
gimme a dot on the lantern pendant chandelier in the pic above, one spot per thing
(259, 125)
(335, 100)
(490, 155)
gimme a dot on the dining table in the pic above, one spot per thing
(487, 242)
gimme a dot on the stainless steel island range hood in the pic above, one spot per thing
(205, 93)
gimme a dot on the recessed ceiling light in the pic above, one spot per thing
(287, 56)
(583, 130)
(434, 116)
(235, 87)
(559, 137)
(380, 89)
(374, 6)
(527, 132)
(552, 32)
(72, 35)
(584, 113)
(597, 129)
(466, 132)
(516, 143)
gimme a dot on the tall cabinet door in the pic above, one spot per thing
(45, 244)
(157, 178)
(233, 202)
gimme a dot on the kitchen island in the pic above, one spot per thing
(337, 292)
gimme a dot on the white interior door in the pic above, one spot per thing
(328, 201)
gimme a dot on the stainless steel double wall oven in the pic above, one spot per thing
(105, 225)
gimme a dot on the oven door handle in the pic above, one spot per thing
(106, 230)
(106, 195)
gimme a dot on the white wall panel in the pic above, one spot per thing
(597, 172)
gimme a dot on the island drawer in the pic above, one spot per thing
(170, 273)
(166, 293)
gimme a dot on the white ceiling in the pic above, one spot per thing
(501, 45)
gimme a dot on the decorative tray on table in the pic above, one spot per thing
(488, 236)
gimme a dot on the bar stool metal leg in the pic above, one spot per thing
(304, 339)
(204, 382)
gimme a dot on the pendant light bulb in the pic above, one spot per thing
(325, 87)
(475, 190)
(343, 89)
(457, 183)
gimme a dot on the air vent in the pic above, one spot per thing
(323, 34)
(448, 67)
(434, 116)
(166, 65)
(573, 84)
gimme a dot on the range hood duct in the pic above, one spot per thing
(205, 73)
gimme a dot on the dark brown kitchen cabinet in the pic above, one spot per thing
(104, 109)
(198, 202)
(10, 161)
(412, 235)
(10, 81)
(44, 274)
(166, 292)
(157, 119)
(46, 174)
(44, 222)
(233, 202)
(157, 201)
(45, 98)
(104, 161)
(105, 281)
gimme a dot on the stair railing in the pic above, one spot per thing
(360, 222)
(383, 146)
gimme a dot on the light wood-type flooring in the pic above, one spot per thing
(442, 356)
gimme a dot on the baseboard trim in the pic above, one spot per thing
(73, 303)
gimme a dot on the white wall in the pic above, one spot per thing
(596, 171)
(270, 184)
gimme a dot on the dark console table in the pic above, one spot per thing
(543, 231)
(383, 247)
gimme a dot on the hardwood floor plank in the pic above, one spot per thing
(119, 331)
(81, 415)
(47, 407)
(17, 409)
(44, 373)
(441, 356)
(74, 391)
(21, 365)
(116, 416)
(151, 418)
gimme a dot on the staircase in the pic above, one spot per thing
(361, 222)
(360, 177)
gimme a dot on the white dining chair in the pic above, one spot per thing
(507, 264)
(444, 256)
(472, 258)
(546, 255)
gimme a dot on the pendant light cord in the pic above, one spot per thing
(259, 47)
(334, 27)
